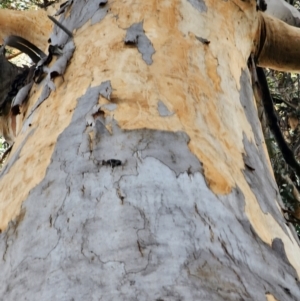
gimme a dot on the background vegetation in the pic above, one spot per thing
(21, 4)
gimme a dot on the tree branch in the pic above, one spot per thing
(277, 45)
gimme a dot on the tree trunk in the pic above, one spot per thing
(142, 173)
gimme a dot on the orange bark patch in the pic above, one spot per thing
(185, 74)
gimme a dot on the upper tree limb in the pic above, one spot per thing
(31, 25)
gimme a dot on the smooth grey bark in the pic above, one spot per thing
(283, 11)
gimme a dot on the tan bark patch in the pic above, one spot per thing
(270, 297)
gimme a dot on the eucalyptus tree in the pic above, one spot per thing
(139, 170)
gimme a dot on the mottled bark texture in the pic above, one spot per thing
(141, 173)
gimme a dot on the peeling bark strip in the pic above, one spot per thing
(135, 223)
(66, 30)
(136, 35)
(20, 98)
(78, 14)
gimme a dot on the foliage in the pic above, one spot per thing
(3, 147)
(21, 4)
(285, 90)
(16, 4)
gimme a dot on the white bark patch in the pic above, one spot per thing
(20, 98)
